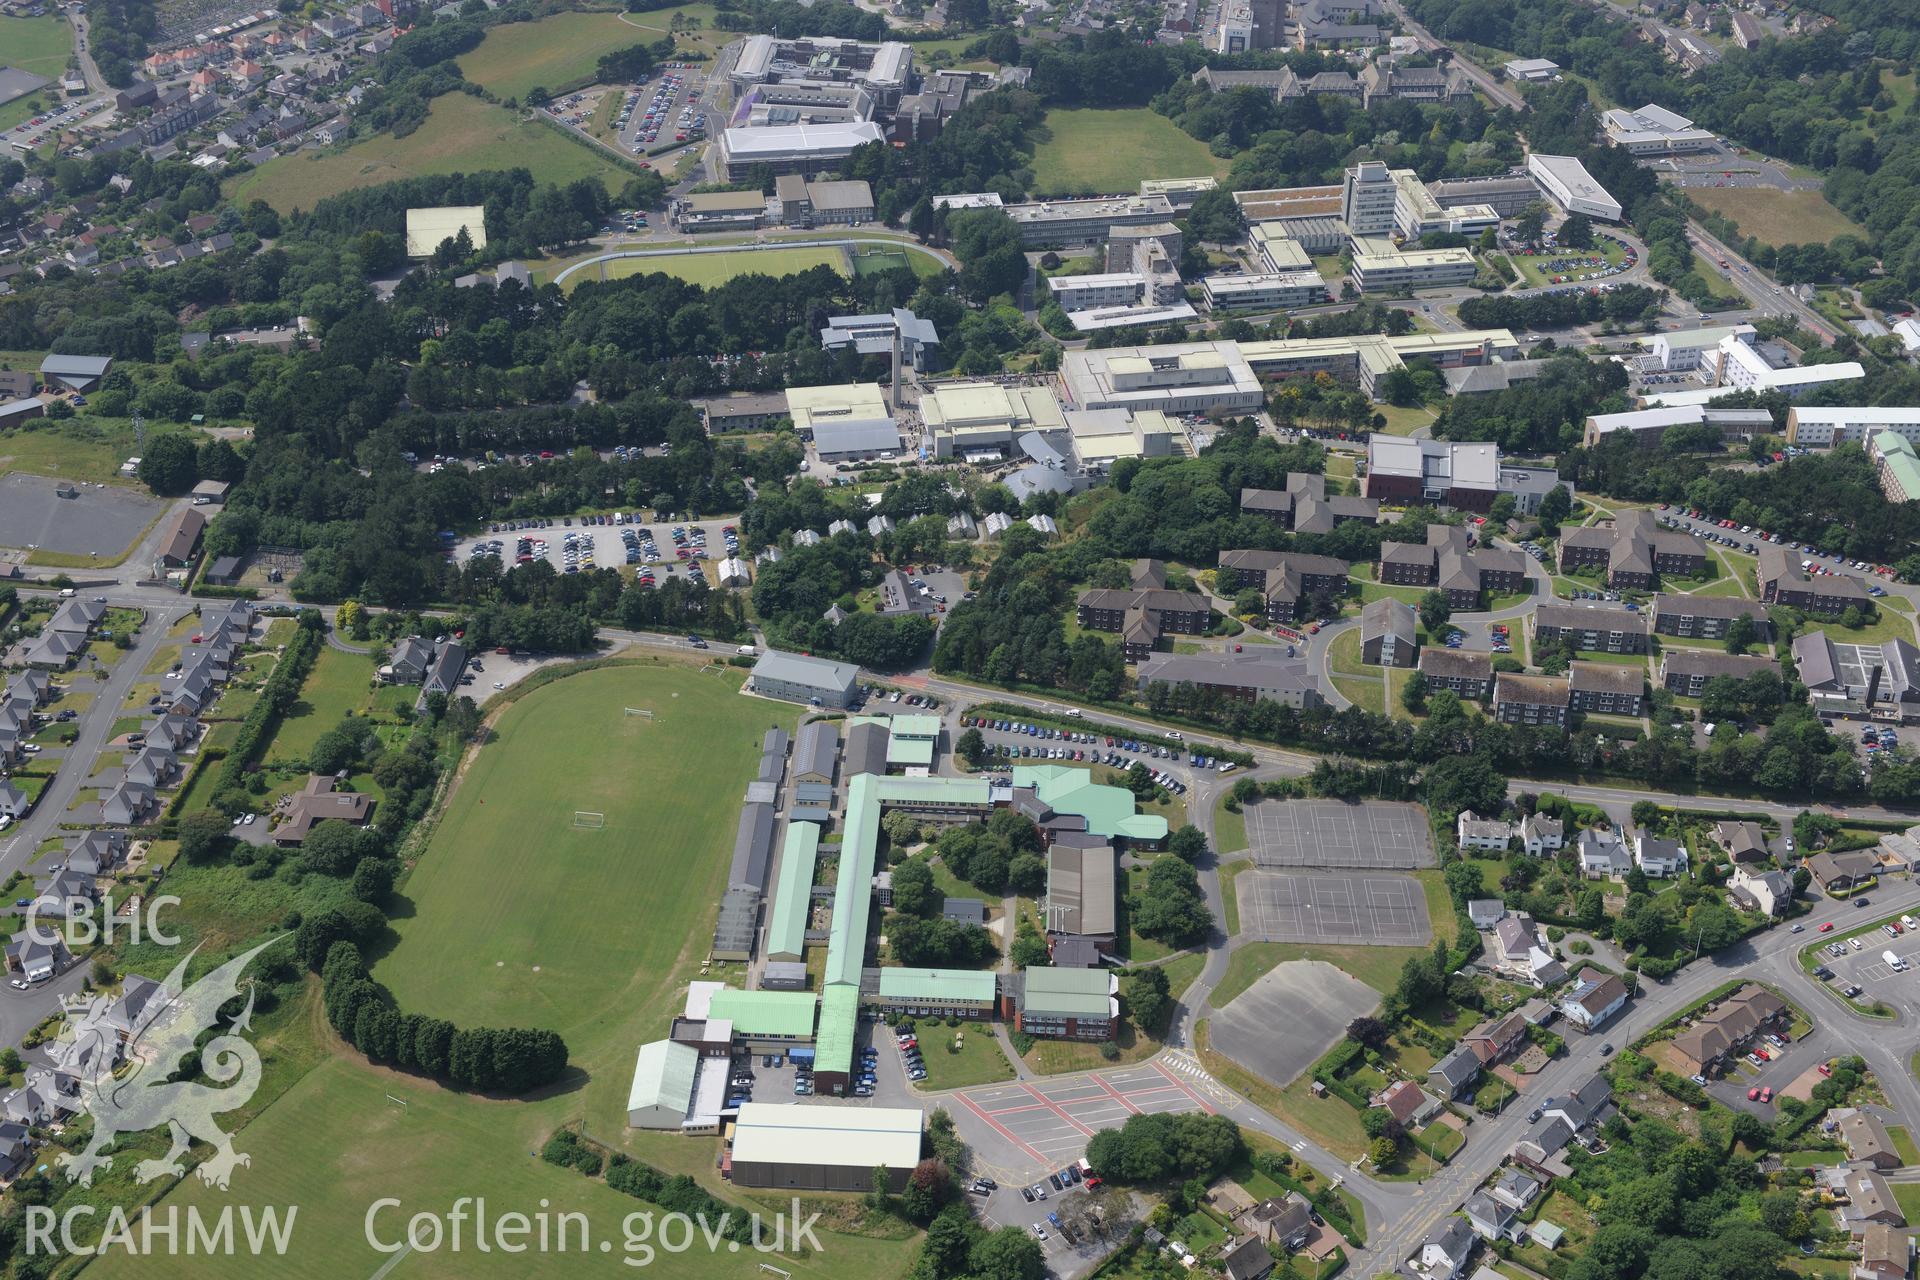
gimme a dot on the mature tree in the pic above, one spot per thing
(168, 463)
(1369, 1031)
(1742, 636)
(1435, 612)
(1148, 1003)
(1169, 907)
(1577, 232)
(1413, 695)
(972, 747)
(204, 835)
(1189, 843)
(913, 889)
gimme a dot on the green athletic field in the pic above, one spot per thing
(461, 135)
(42, 46)
(711, 269)
(551, 53)
(1108, 152)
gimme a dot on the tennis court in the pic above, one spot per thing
(1380, 911)
(1366, 835)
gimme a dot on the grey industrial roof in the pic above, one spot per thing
(817, 749)
(76, 366)
(794, 668)
(873, 436)
(866, 749)
(752, 848)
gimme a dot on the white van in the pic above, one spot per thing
(746, 651)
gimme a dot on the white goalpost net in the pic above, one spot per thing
(640, 711)
(587, 820)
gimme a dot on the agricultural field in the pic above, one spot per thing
(1777, 217)
(461, 135)
(42, 46)
(80, 449)
(691, 26)
(1107, 152)
(553, 53)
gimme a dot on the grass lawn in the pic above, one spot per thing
(1777, 217)
(555, 51)
(1907, 1195)
(1229, 829)
(1370, 589)
(1344, 654)
(1230, 894)
(461, 135)
(710, 269)
(1061, 1057)
(979, 1060)
(1888, 626)
(81, 448)
(1369, 695)
(1108, 152)
(1181, 972)
(658, 23)
(338, 683)
(1404, 420)
(41, 46)
(1903, 1143)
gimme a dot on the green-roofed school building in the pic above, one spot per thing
(938, 993)
(793, 892)
(1068, 1004)
(764, 1017)
(1109, 811)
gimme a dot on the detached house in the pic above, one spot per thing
(1497, 1039)
(1594, 998)
(1542, 835)
(1661, 859)
(1603, 855)
(1842, 873)
(1491, 1220)
(1475, 832)
(1408, 1103)
(1867, 1140)
(1443, 1254)
(1453, 1074)
(1743, 841)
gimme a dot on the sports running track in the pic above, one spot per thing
(1051, 1120)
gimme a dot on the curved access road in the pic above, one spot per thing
(840, 242)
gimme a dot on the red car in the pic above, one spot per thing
(1826, 1068)
(1827, 927)
(1753, 1095)
(1766, 1094)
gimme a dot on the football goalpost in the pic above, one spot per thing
(640, 711)
(584, 819)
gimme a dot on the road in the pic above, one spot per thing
(1757, 286)
(83, 50)
(20, 1011)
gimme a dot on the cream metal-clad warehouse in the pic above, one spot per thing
(662, 1089)
(823, 1148)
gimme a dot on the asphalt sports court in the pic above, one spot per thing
(1049, 1121)
(1369, 835)
(1339, 910)
(97, 521)
(1313, 1000)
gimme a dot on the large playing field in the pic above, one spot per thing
(39, 45)
(514, 916)
(461, 135)
(1777, 217)
(1108, 153)
(522, 917)
(553, 52)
